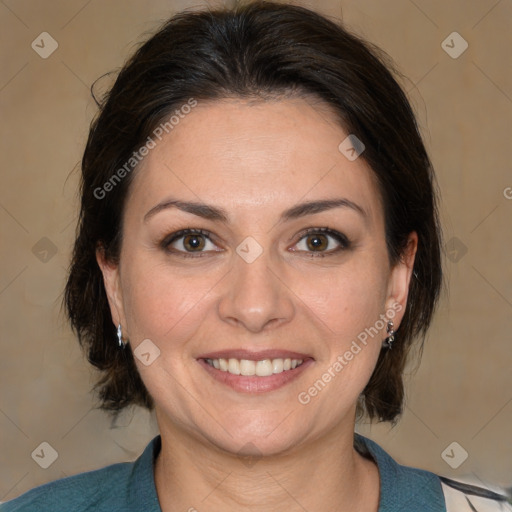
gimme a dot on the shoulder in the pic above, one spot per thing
(402, 487)
(117, 487)
(405, 487)
(77, 492)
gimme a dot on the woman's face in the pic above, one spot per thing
(267, 279)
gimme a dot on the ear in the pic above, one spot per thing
(111, 281)
(401, 274)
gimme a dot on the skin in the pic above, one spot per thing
(255, 160)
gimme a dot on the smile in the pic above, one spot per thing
(257, 375)
(247, 367)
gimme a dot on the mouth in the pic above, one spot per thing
(255, 372)
(260, 368)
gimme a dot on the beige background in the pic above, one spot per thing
(462, 391)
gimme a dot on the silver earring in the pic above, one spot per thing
(388, 342)
(120, 336)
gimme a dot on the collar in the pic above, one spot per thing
(402, 488)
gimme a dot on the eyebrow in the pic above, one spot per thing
(220, 215)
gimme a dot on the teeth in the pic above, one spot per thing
(234, 366)
(277, 365)
(246, 367)
(262, 368)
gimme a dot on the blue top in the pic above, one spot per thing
(130, 487)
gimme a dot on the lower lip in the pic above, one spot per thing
(254, 384)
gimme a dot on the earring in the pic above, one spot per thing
(120, 337)
(388, 342)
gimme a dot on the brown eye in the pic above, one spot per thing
(317, 242)
(322, 242)
(193, 242)
(189, 242)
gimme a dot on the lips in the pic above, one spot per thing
(255, 372)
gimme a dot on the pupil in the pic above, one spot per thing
(193, 241)
(316, 241)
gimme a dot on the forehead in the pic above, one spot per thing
(267, 154)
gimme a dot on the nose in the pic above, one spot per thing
(256, 296)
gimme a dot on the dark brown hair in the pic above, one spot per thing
(257, 50)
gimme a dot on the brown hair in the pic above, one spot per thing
(256, 50)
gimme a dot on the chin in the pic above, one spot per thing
(267, 439)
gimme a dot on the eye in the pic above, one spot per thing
(189, 243)
(322, 241)
(194, 243)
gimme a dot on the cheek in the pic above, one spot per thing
(162, 304)
(352, 335)
(348, 304)
(347, 301)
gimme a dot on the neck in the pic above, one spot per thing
(325, 474)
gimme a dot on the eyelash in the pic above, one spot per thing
(339, 237)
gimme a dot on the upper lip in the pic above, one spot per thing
(254, 356)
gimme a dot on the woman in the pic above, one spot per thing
(258, 250)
